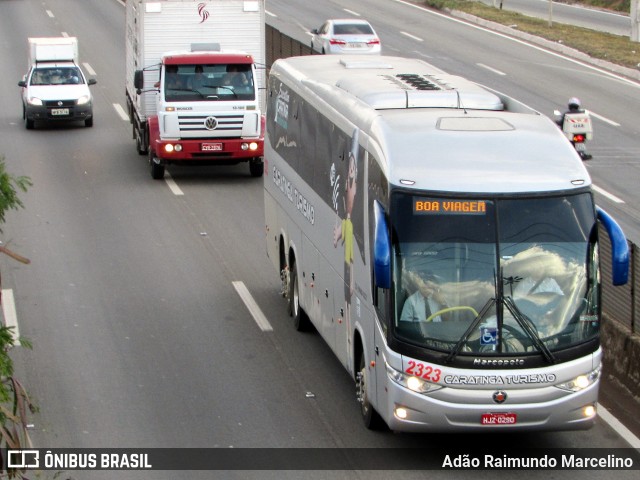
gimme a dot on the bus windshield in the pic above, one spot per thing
(495, 276)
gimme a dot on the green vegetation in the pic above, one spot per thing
(605, 46)
(14, 400)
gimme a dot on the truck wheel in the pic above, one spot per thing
(157, 169)
(88, 122)
(256, 167)
(141, 143)
(300, 320)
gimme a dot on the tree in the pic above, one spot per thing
(14, 400)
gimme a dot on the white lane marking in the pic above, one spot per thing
(88, 68)
(614, 423)
(610, 196)
(604, 119)
(173, 186)
(9, 312)
(120, 111)
(50, 13)
(65, 34)
(422, 54)
(271, 14)
(491, 69)
(417, 39)
(351, 12)
(253, 307)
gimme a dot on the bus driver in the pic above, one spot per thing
(425, 301)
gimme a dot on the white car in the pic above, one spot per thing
(349, 35)
(56, 92)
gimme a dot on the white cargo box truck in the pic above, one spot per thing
(180, 55)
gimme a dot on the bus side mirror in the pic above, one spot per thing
(381, 249)
(138, 79)
(619, 248)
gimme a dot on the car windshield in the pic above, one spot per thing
(495, 276)
(202, 82)
(56, 76)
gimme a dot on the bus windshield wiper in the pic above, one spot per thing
(529, 328)
(476, 321)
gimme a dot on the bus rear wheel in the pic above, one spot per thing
(300, 319)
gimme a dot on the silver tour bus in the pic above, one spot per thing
(442, 238)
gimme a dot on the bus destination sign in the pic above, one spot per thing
(441, 206)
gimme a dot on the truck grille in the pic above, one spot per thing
(227, 125)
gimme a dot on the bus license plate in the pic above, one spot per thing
(498, 419)
(211, 147)
(59, 111)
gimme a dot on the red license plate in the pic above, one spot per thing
(498, 419)
(211, 147)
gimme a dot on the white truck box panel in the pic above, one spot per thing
(52, 49)
(155, 28)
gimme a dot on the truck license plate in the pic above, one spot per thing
(59, 111)
(211, 147)
(498, 419)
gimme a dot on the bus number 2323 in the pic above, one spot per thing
(423, 371)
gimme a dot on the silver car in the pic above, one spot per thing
(354, 36)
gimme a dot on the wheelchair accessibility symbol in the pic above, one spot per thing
(488, 336)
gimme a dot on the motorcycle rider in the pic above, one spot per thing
(574, 106)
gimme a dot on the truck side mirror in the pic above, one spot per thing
(22, 83)
(92, 81)
(138, 79)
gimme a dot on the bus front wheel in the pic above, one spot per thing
(370, 417)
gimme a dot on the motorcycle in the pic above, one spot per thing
(578, 129)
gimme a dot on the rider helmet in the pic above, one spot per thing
(574, 103)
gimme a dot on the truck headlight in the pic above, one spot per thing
(581, 381)
(83, 100)
(36, 102)
(413, 383)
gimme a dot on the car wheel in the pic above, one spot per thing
(29, 124)
(88, 122)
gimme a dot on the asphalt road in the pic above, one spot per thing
(558, 12)
(140, 338)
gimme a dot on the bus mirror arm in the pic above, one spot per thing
(381, 249)
(619, 248)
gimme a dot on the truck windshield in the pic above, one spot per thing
(495, 276)
(206, 83)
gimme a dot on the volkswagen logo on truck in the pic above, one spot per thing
(211, 123)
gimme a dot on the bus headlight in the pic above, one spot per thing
(413, 383)
(581, 381)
